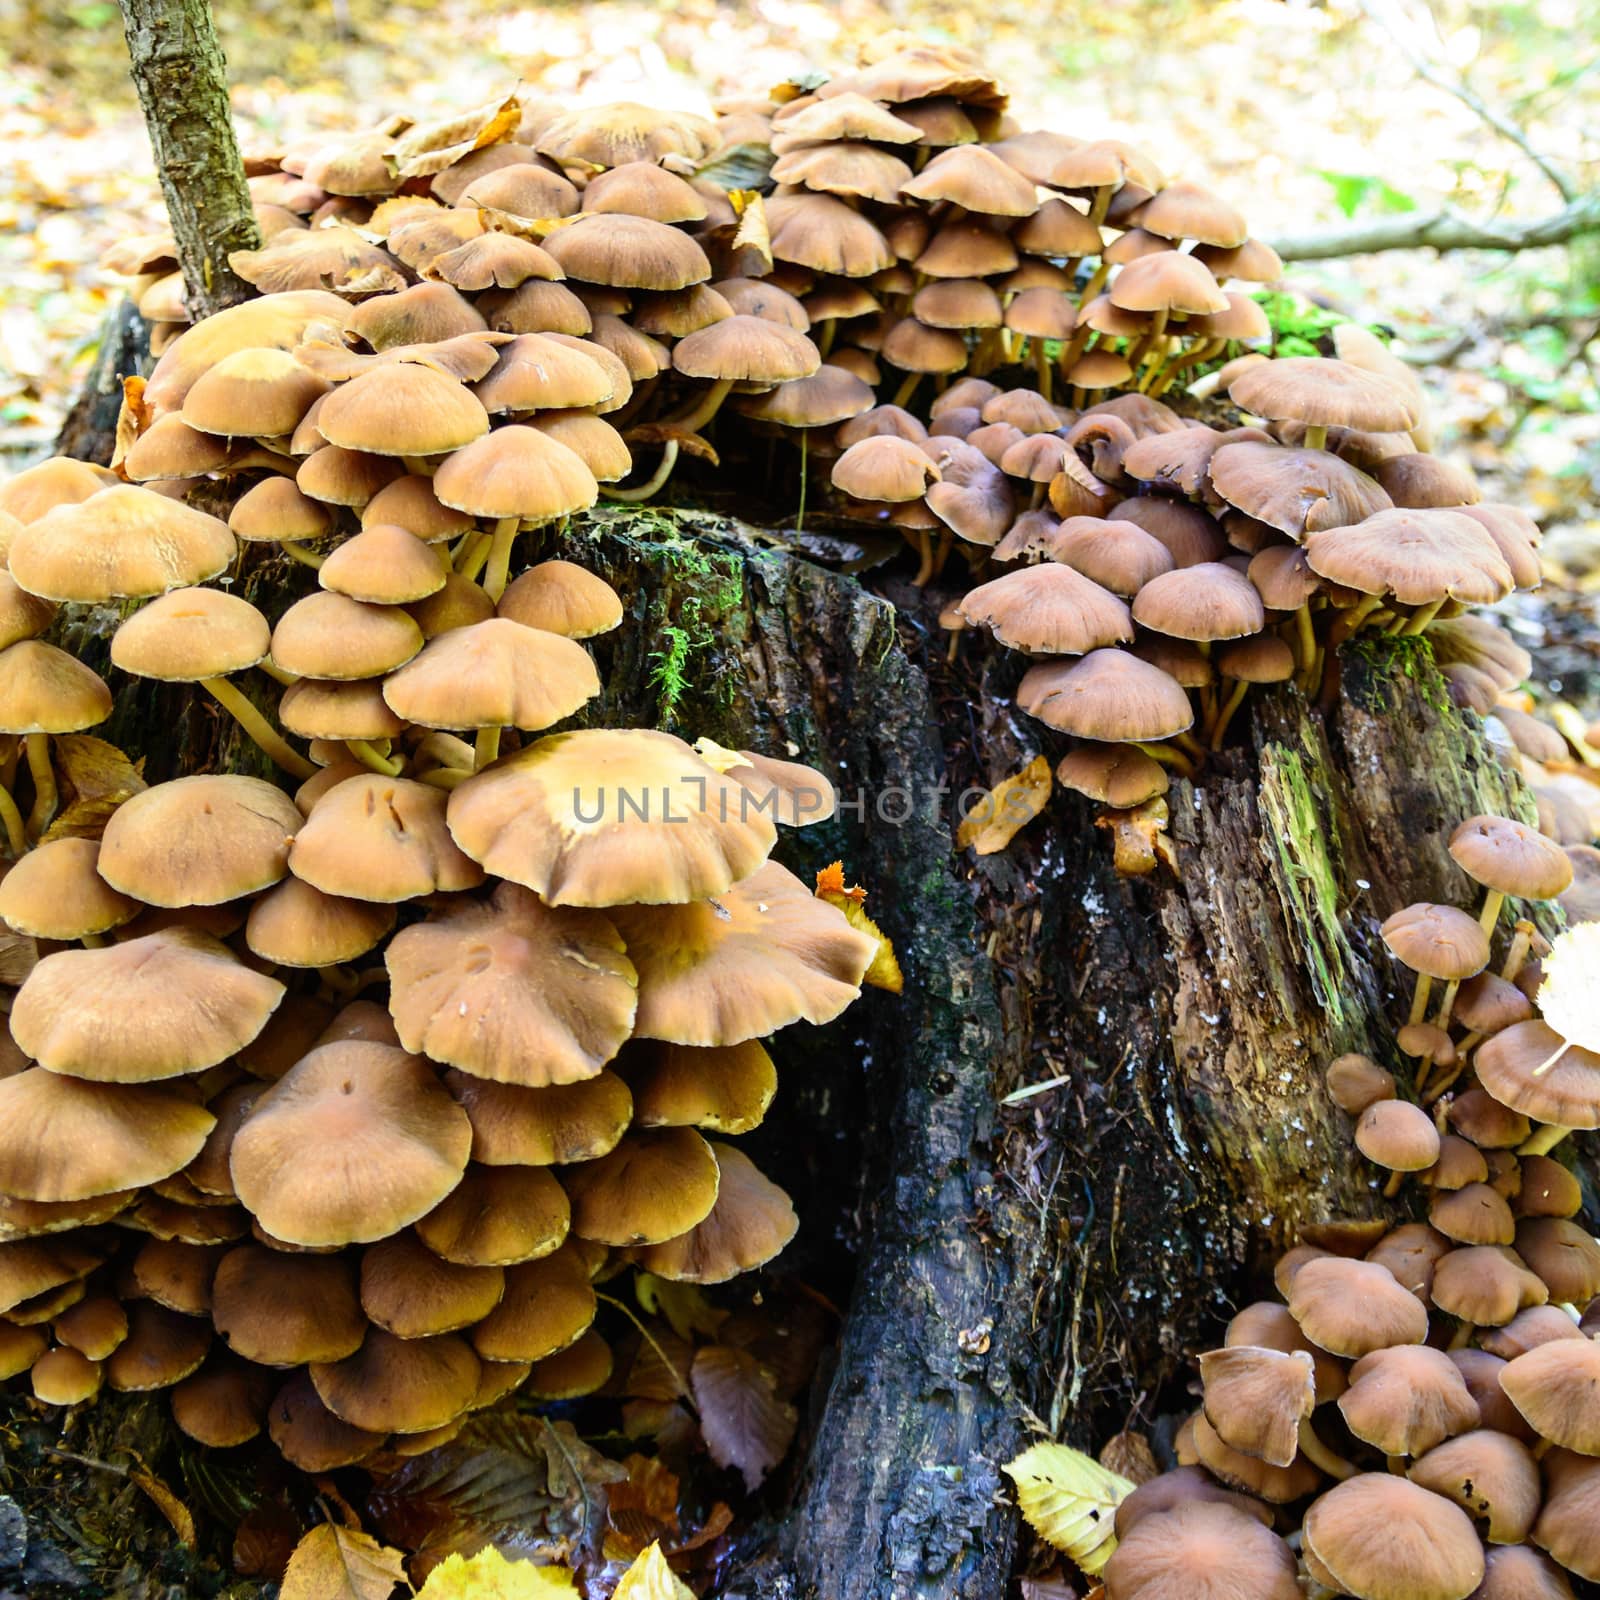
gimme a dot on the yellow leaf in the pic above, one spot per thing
(650, 1578)
(1574, 727)
(993, 822)
(683, 1305)
(1569, 996)
(1069, 1500)
(333, 1563)
(884, 973)
(489, 1576)
(167, 1503)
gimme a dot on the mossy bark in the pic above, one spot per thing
(179, 71)
(1060, 1256)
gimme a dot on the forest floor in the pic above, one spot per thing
(1303, 114)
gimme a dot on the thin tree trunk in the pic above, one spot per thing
(182, 78)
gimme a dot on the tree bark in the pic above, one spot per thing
(179, 71)
(1053, 1261)
(89, 432)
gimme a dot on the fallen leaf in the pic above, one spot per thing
(1069, 1500)
(166, 1502)
(682, 1304)
(430, 147)
(489, 1576)
(650, 1578)
(884, 971)
(95, 778)
(995, 820)
(744, 1423)
(1129, 1455)
(333, 1563)
(1567, 995)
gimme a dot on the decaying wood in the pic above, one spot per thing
(182, 79)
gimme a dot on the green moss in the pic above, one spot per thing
(1301, 838)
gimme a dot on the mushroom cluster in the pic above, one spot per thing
(325, 1112)
(453, 311)
(1443, 1374)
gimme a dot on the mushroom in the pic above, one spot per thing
(1200, 1551)
(1508, 858)
(1436, 942)
(1380, 1536)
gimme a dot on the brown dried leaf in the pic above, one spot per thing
(690, 444)
(995, 820)
(752, 239)
(19, 955)
(1129, 1455)
(744, 1423)
(133, 417)
(166, 1502)
(333, 1563)
(682, 1304)
(95, 778)
(430, 147)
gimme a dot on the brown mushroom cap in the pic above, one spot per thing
(1182, 1486)
(45, 690)
(383, 565)
(748, 350)
(295, 925)
(498, 1216)
(1486, 1285)
(1203, 602)
(55, 892)
(1437, 940)
(516, 472)
(1492, 1477)
(763, 954)
(652, 1187)
(604, 817)
(1280, 1485)
(1257, 1398)
(1356, 1082)
(1519, 1572)
(1556, 1386)
(199, 841)
(750, 1223)
(381, 839)
(1515, 1068)
(191, 634)
(1352, 1307)
(1118, 554)
(350, 1145)
(1294, 491)
(1419, 557)
(517, 991)
(1473, 1214)
(402, 408)
(65, 1377)
(1049, 609)
(282, 1309)
(310, 1436)
(493, 674)
(515, 1126)
(548, 1303)
(1116, 775)
(122, 543)
(71, 1140)
(95, 1326)
(1398, 1135)
(332, 636)
(409, 1291)
(1511, 857)
(1200, 1551)
(1318, 389)
(223, 1404)
(195, 1003)
(1405, 1400)
(1569, 1524)
(1108, 695)
(583, 1367)
(628, 252)
(561, 597)
(258, 393)
(1384, 1538)
(393, 1385)
(335, 710)
(162, 1348)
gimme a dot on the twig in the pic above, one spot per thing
(1388, 16)
(1445, 229)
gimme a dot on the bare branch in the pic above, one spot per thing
(1388, 16)
(1445, 229)
(182, 81)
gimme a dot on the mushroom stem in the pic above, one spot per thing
(1041, 365)
(805, 451)
(421, 466)
(1305, 641)
(45, 793)
(257, 729)
(925, 565)
(1543, 1139)
(1462, 1337)
(372, 760)
(1235, 699)
(1102, 203)
(1151, 341)
(693, 420)
(830, 330)
(499, 572)
(1436, 1091)
(1419, 1001)
(303, 553)
(1521, 944)
(1491, 910)
(643, 491)
(1445, 1005)
(1316, 1452)
(908, 387)
(1097, 281)
(11, 818)
(1168, 757)
(1420, 618)
(1392, 1187)
(1190, 745)
(276, 673)
(485, 748)
(470, 552)
(1396, 1464)
(1316, 436)
(444, 777)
